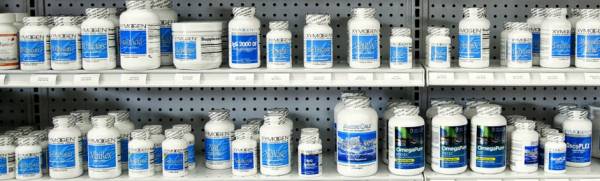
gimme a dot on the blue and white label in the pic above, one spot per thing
(469, 46)
(32, 51)
(62, 155)
(102, 156)
(191, 154)
(453, 147)
(438, 54)
(244, 49)
(94, 46)
(157, 155)
(408, 149)
(521, 52)
(4, 165)
(217, 149)
(309, 164)
(578, 148)
(45, 159)
(540, 154)
(243, 161)
(63, 50)
(356, 147)
(588, 46)
(138, 161)
(399, 54)
(84, 148)
(186, 50)
(133, 42)
(279, 52)
(28, 165)
(174, 161)
(531, 155)
(561, 46)
(536, 42)
(318, 51)
(166, 40)
(275, 154)
(557, 161)
(124, 147)
(365, 47)
(490, 147)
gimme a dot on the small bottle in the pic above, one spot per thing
(555, 154)
(244, 148)
(519, 45)
(125, 126)
(140, 154)
(578, 137)
(28, 158)
(19, 20)
(555, 39)
(524, 154)
(173, 153)
(406, 137)
(535, 21)
(7, 157)
(318, 41)
(157, 138)
(218, 136)
(275, 147)
(104, 150)
(139, 35)
(401, 49)
(363, 36)
(98, 40)
(9, 50)
(488, 140)
(279, 45)
(167, 16)
(449, 140)
(543, 137)
(190, 140)
(64, 148)
(83, 122)
(310, 153)
(65, 44)
(588, 39)
(559, 119)
(34, 44)
(438, 48)
(508, 26)
(474, 39)
(244, 39)
(42, 136)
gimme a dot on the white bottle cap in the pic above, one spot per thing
(525, 124)
(103, 120)
(154, 129)
(6, 140)
(186, 128)
(173, 133)
(489, 109)
(406, 110)
(449, 109)
(244, 11)
(321, 19)
(143, 134)
(120, 115)
(218, 114)
(28, 140)
(7, 18)
(63, 121)
(278, 25)
(400, 31)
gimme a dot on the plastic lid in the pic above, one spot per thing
(198, 26)
(7, 18)
(154, 129)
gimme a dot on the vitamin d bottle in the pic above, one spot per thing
(167, 16)
(173, 153)
(244, 161)
(578, 137)
(34, 44)
(140, 154)
(139, 34)
(7, 157)
(524, 151)
(508, 26)
(65, 44)
(8, 36)
(356, 133)
(555, 154)
(217, 143)
(275, 148)
(363, 32)
(310, 153)
(438, 48)
(406, 137)
(588, 39)
(28, 157)
(535, 21)
(279, 45)
(157, 138)
(98, 40)
(488, 140)
(449, 140)
(401, 49)
(64, 148)
(474, 39)
(555, 39)
(519, 46)
(318, 41)
(104, 150)
(244, 39)
(82, 121)
(125, 127)
(559, 119)
(190, 140)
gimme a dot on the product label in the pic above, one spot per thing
(166, 40)
(588, 46)
(62, 155)
(561, 45)
(557, 161)
(217, 149)
(521, 52)
(243, 161)
(133, 42)
(578, 148)
(244, 49)
(309, 164)
(279, 52)
(28, 164)
(439, 54)
(318, 50)
(84, 148)
(365, 47)
(490, 146)
(174, 161)
(7, 163)
(191, 154)
(138, 161)
(157, 155)
(8, 50)
(63, 50)
(399, 54)
(540, 154)
(32, 51)
(536, 42)
(409, 151)
(102, 156)
(124, 147)
(531, 155)
(45, 158)
(469, 46)
(186, 50)
(356, 147)
(275, 154)
(453, 147)
(94, 46)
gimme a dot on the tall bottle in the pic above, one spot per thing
(519, 44)
(275, 147)
(535, 21)
(125, 126)
(244, 38)
(364, 32)
(167, 16)
(406, 137)
(64, 148)
(578, 137)
(310, 153)
(28, 158)
(559, 119)
(139, 34)
(474, 39)
(7, 154)
(217, 139)
(488, 140)
(65, 44)
(449, 140)
(98, 48)
(508, 26)
(104, 150)
(555, 154)
(574, 18)
(174, 154)
(34, 44)
(587, 39)
(555, 39)
(9, 50)
(83, 122)
(401, 48)
(318, 41)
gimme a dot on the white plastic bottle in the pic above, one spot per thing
(519, 44)
(217, 139)
(535, 21)
(244, 151)
(174, 154)
(488, 140)
(542, 141)
(283, 112)
(42, 136)
(244, 39)
(391, 106)
(559, 119)
(431, 112)
(524, 151)
(164, 10)
(7, 157)
(310, 153)
(125, 126)
(555, 39)
(406, 137)
(98, 47)
(401, 48)
(449, 140)
(28, 158)
(438, 48)
(83, 122)
(190, 140)
(578, 137)
(104, 150)
(363, 36)
(503, 42)
(318, 41)
(34, 44)
(8, 36)
(140, 154)
(65, 44)
(587, 50)
(340, 104)
(356, 135)
(279, 45)
(474, 39)
(198, 45)
(64, 148)
(157, 137)
(139, 36)
(275, 149)
(555, 154)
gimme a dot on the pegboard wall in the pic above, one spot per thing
(17, 108)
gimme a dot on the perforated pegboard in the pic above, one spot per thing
(17, 108)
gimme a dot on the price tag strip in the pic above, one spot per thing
(241, 78)
(187, 79)
(134, 79)
(43, 79)
(86, 79)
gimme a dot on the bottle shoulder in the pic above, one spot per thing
(219, 125)
(314, 28)
(28, 30)
(139, 17)
(64, 132)
(406, 121)
(556, 23)
(24, 149)
(244, 22)
(489, 120)
(97, 23)
(279, 34)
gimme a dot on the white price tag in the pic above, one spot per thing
(555, 179)
(134, 79)
(187, 79)
(517, 77)
(2, 79)
(86, 79)
(242, 78)
(553, 77)
(360, 76)
(318, 77)
(592, 77)
(481, 77)
(43, 79)
(277, 78)
(441, 77)
(396, 77)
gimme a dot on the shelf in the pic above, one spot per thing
(339, 76)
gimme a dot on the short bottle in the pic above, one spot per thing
(98, 48)
(198, 45)
(555, 154)
(401, 49)
(535, 21)
(42, 136)
(9, 50)
(559, 119)
(587, 49)
(125, 126)
(34, 44)
(275, 147)
(555, 39)
(140, 154)
(406, 138)
(173, 153)
(167, 16)
(449, 140)
(519, 45)
(244, 39)
(310, 153)
(64, 148)
(139, 36)
(363, 36)
(578, 137)
(524, 151)
(157, 137)
(438, 48)
(279, 45)
(318, 41)
(488, 140)
(244, 150)
(65, 44)
(7, 157)
(474, 39)
(542, 141)
(510, 128)
(28, 158)
(217, 139)
(190, 140)
(104, 150)
(83, 122)
(508, 26)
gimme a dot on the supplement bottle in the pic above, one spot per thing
(474, 39)
(449, 140)
(82, 121)
(174, 154)
(19, 20)
(64, 148)
(401, 49)
(543, 137)
(387, 115)
(140, 154)
(125, 127)
(559, 119)
(488, 140)
(139, 34)
(157, 138)
(519, 46)
(275, 148)
(104, 150)
(431, 112)
(363, 36)
(340, 104)
(279, 45)
(42, 136)
(7, 157)
(429, 34)
(438, 48)
(28, 158)
(197, 45)
(555, 39)
(98, 40)
(587, 51)
(244, 160)
(34, 44)
(356, 135)
(318, 41)
(9, 51)
(244, 39)
(406, 137)
(310, 153)
(217, 139)
(555, 154)
(524, 151)
(65, 44)
(578, 137)
(167, 16)
(190, 140)
(535, 21)
(471, 107)
(508, 26)
(283, 112)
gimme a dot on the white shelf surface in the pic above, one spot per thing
(339, 76)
